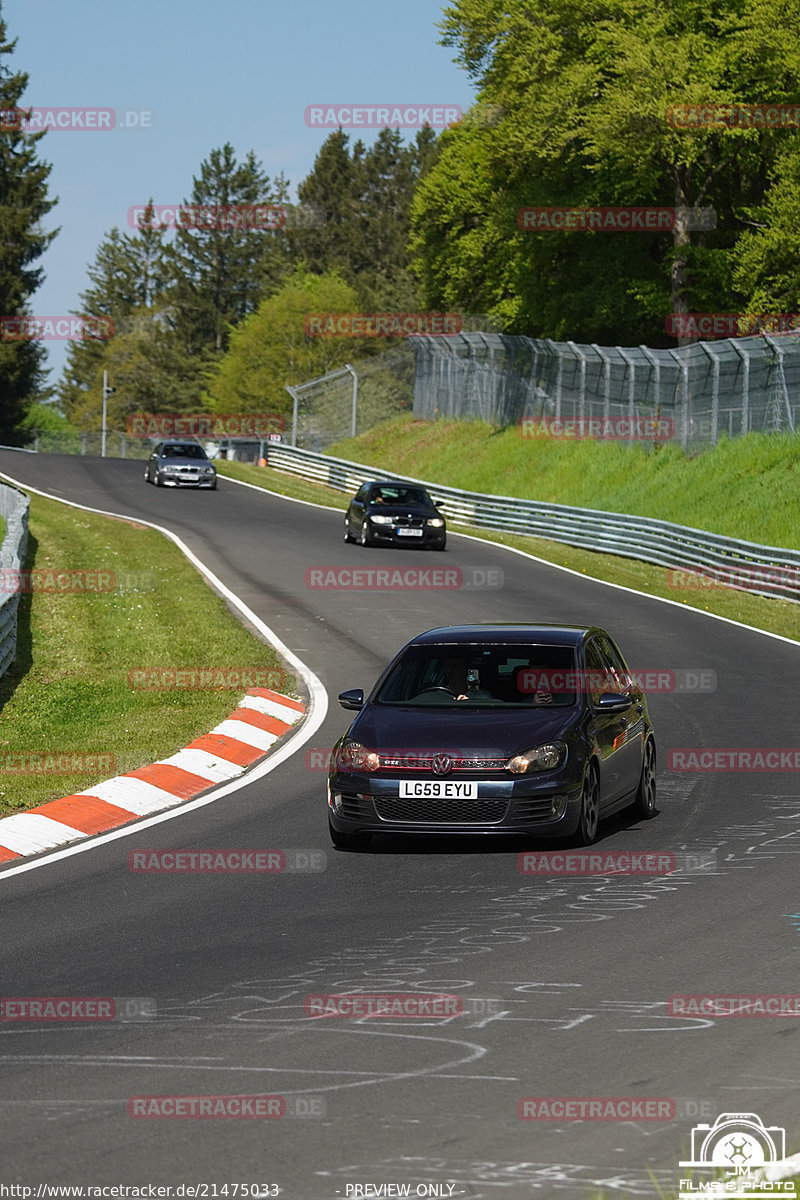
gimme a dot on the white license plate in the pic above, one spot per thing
(439, 789)
(409, 533)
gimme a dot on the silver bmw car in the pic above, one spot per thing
(180, 464)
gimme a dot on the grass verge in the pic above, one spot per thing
(69, 691)
(747, 487)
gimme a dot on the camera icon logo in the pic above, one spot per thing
(736, 1143)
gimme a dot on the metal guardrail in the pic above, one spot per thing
(701, 559)
(14, 506)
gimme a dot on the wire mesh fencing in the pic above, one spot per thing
(351, 400)
(696, 393)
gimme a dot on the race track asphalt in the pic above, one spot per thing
(565, 980)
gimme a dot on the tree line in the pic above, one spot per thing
(573, 110)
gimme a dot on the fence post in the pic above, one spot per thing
(714, 392)
(631, 389)
(684, 370)
(606, 361)
(582, 393)
(782, 381)
(745, 357)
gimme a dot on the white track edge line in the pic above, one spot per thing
(556, 566)
(314, 717)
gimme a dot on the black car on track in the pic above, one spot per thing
(538, 731)
(394, 513)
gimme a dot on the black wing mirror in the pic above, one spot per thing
(353, 699)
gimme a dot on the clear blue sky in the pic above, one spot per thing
(241, 71)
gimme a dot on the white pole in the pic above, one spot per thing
(105, 394)
(347, 367)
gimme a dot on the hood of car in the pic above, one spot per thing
(459, 731)
(172, 461)
(403, 510)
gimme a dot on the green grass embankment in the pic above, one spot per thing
(748, 488)
(70, 693)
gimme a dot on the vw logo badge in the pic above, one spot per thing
(442, 764)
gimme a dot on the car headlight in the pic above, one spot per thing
(436, 522)
(168, 469)
(540, 758)
(352, 756)
(380, 520)
(209, 471)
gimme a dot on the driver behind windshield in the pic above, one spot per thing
(457, 680)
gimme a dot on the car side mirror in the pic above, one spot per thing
(438, 504)
(612, 702)
(353, 699)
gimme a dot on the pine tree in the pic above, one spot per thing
(127, 285)
(219, 272)
(23, 206)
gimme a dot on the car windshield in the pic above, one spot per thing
(400, 495)
(190, 450)
(491, 676)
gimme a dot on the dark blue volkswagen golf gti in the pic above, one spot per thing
(534, 731)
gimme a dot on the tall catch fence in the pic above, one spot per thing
(732, 387)
(14, 506)
(336, 406)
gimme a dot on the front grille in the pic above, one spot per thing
(406, 522)
(533, 809)
(478, 765)
(440, 811)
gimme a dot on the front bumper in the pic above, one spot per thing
(188, 480)
(530, 806)
(387, 535)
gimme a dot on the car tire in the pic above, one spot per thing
(365, 539)
(348, 537)
(589, 819)
(147, 478)
(644, 803)
(348, 841)
(158, 482)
